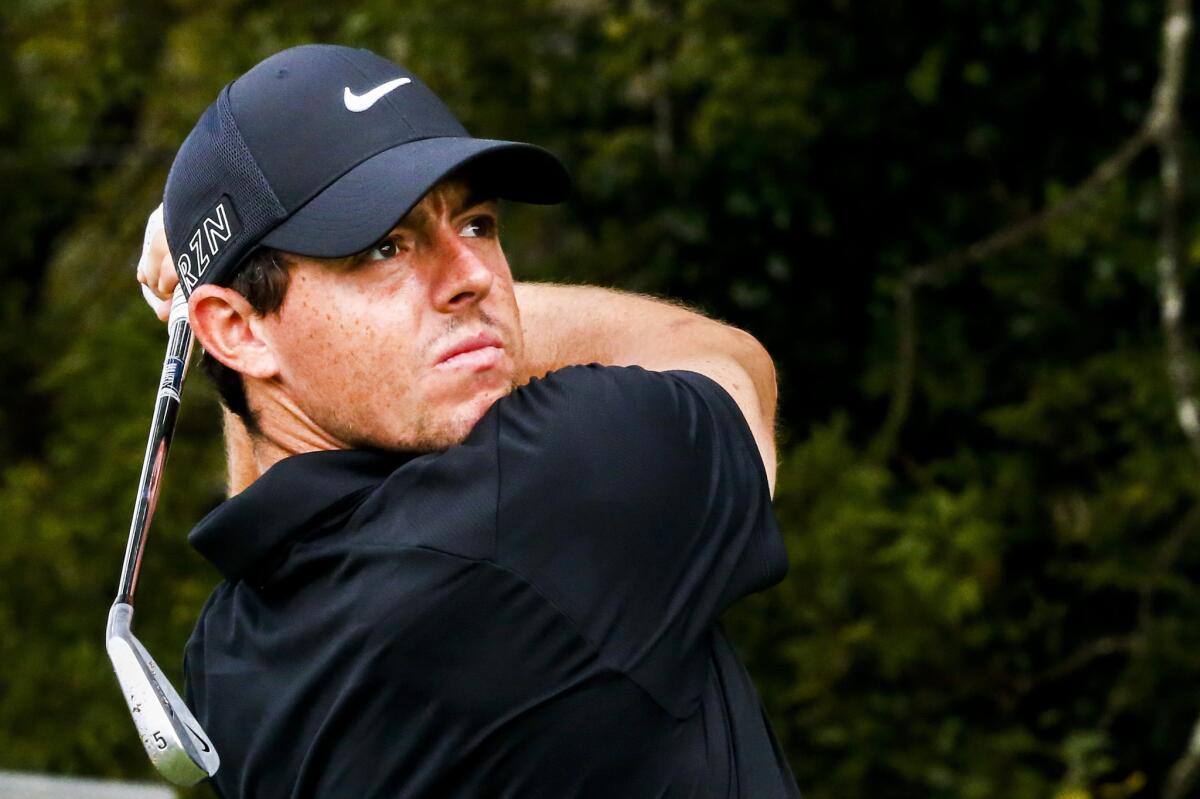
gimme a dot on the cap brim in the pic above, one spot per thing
(361, 206)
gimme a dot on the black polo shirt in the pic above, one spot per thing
(532, 613)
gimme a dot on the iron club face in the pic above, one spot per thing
(174, 740)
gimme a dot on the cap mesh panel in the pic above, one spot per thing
(214, 162)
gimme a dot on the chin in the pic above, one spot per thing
(472, 411)
(453, 427)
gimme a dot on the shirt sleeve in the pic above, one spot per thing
(636, 502)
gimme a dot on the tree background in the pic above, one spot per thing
(990, 504)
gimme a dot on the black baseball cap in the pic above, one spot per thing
(319, 150)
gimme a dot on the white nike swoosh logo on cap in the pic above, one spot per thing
(361, 102)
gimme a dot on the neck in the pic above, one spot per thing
(284, 430)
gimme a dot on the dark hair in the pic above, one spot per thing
(263, 280)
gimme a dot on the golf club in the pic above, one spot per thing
(174, 740)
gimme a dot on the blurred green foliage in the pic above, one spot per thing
(1003, 605)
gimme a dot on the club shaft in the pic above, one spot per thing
(162, 428)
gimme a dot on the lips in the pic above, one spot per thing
(479, 351)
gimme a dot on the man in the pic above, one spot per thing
(471, 566)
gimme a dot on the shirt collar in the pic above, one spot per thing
(284, 502)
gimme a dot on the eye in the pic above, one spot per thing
(383, 250)
(479, 227)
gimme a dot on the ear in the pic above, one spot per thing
(228, 328)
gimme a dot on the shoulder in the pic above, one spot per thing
(641, 448)
(600, 395)
(615, 409)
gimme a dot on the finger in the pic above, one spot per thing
(160, 306)
(165, 281)
(159, 254)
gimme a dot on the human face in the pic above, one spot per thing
(406, 345)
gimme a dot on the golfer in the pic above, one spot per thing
(482, 533)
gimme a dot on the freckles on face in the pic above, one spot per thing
(342, 362)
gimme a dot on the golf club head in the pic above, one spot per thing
(174, 740)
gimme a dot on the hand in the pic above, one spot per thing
(156, 269)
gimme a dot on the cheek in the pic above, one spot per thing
(354, 382)
(501, 305)
(337, 355)
(313, 339)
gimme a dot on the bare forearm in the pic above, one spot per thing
(567, 325)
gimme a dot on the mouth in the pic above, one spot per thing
(474, 353)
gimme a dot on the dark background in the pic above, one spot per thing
(991, 594)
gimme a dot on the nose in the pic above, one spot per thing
(464, 278)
